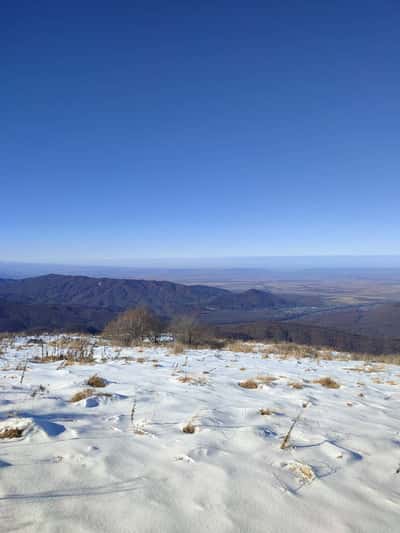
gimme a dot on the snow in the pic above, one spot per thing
(90, 467)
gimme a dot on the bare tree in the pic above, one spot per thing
(134, 325)
(186, 329)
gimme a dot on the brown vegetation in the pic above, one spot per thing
(11, 433)
(96, 381)
(186, 330)
(240, 347)
(265, 412)
(265, 380)
(296, 385)
(133, 326)
(194, 380)
(328, 382)
(189, 428)
(82, 395)
(177, 348)
(287, 350)
(248, 384)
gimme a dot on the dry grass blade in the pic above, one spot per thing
(285, 441)
(24, 370)
(133, 410)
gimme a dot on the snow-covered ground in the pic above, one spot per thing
(118, 461)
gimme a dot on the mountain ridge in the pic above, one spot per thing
(163, 297)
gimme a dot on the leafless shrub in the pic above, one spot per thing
(187, 330)
(133, 326)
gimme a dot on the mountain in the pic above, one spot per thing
(163, 297)
(42, 317)
(60, 302)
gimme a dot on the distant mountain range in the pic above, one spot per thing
(163, 297)
(57, 301)
(79, 303)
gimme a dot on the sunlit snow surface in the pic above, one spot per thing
(119, 461)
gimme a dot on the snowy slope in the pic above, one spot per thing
(88, 467)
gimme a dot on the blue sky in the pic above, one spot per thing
(186, 129)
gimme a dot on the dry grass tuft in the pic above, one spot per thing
(11, 433)
(177, 348)
(368, 368)
(328, 382)
(82, 395)
(288, 350)
(96, 381)
(242, 347)
(248, 384)
(304, 471)
(189, 428)
(264, 351)
(141, 359)
(194, 380)
(296, 385)
(265, 412)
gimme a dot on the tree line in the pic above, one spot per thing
(136, 325)
(140, 324)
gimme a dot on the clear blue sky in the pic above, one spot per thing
(173, 129)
